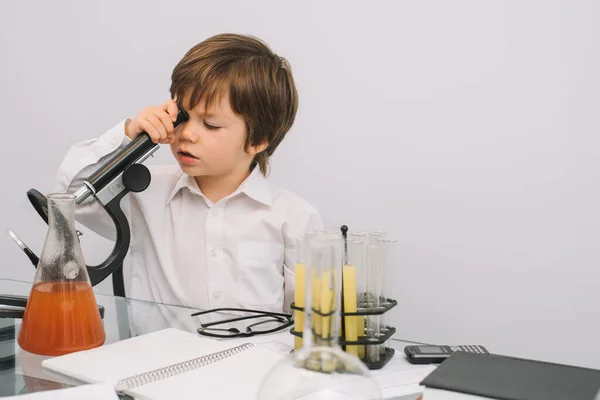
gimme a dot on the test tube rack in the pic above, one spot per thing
(364, 340)
(362, 332)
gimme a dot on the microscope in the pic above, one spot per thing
(122, 173)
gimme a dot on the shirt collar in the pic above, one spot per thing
(254, 186)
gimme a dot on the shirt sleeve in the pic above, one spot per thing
(299, 224)
(81, 161)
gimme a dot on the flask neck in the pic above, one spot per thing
(61, 210)
(62, 257)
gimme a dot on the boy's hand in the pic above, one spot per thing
(157, 121)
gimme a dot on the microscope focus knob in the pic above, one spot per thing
(136, 178)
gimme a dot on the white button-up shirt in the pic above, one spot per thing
(187, 250)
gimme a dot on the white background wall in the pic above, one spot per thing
(468, 130)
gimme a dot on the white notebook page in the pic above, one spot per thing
(133, 356)
(236, 377)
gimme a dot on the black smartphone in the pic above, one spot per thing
(431, 354)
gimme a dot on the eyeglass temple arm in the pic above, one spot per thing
(268, 313)
(225, 321)
(263, 322)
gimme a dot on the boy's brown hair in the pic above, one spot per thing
(259, 83)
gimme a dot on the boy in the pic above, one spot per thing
(211, 232)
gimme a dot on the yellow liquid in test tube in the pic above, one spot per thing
(299, 302)
(326, 303)
(350, 306)
(316, 305)
(327, 306)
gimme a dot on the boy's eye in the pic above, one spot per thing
(210, 126)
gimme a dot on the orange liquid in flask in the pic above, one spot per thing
(61, 318)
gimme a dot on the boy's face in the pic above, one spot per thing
(211, 142)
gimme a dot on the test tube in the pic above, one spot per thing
(315, 279)
(300, 287)
(334, 229)
(337, 230)
(374, 236)
(360, 240)
(351, 294)
(325, 267)
(387, 249)
(331, 269)
(309, 336)
(373, 293)
(322, 299)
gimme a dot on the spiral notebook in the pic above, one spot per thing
(171, 364)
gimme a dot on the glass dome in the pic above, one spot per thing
(319, 373)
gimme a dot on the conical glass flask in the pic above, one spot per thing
(61, 314)
(320, 370)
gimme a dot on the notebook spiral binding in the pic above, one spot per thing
(179, 368)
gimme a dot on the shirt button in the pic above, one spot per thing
(215, 251)
(113, 143)
(216, 295)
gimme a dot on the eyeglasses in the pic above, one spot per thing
(270, 322)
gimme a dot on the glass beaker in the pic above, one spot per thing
(321, 369)
(61, 315)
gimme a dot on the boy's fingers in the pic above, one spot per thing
(171, 108)
(146, 126)
(166, 122)
(160, 130)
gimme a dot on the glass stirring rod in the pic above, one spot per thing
(32, 257)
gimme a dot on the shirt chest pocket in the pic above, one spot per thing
(260, 273)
